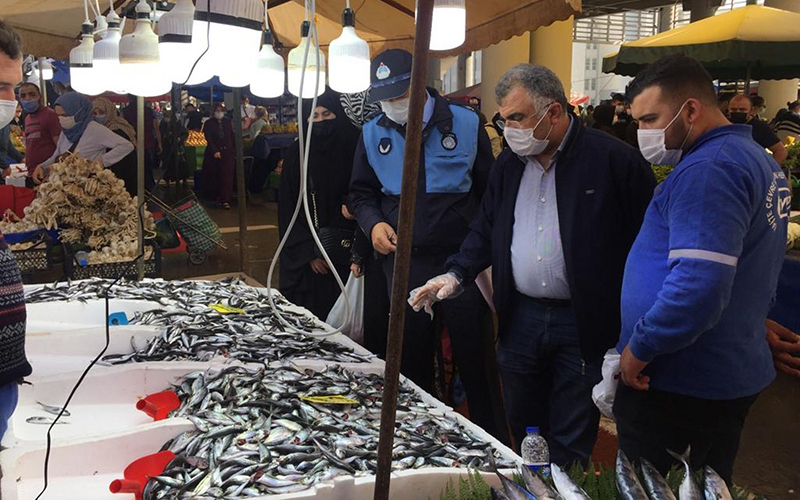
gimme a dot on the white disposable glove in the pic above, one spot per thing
(444, 286)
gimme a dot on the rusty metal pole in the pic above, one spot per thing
(402, 261)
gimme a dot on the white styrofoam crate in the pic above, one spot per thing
(61, 316)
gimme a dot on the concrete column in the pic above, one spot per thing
(551, 46)
(469, 71)
(496, 60)
(701, 9)
(435, 73)
(461, 68)
(778, 92)
(665, 19)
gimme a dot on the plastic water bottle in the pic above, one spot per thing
(535, 452)
(82, 258)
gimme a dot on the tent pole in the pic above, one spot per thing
(747, 81)
(42, 81)
(241, 189)
(140, 180)
(212, 100)
(402, 261)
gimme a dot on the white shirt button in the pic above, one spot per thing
(541, 228)
(539, 258)
(544, 284)
(543, 199)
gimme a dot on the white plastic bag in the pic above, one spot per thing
(353, 323)
(604, 392)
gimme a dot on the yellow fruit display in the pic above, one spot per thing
(196, 139)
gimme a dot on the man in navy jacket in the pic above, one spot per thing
(561, 211)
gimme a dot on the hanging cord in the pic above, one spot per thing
(102, 353)
(302, 200)
(208, 47)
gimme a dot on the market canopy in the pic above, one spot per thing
(752, 42)
(50, 27)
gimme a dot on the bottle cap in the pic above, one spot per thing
(532, 430)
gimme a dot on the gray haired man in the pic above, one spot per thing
(562, 209)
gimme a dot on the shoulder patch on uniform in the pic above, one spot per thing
(385, 146)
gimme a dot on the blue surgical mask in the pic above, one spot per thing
(30, 106)
(101, 119)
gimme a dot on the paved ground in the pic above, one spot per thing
(767, 462)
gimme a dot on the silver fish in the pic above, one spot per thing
(715, 488)
(627, 482)
(688, 489)
(54, 410)
(540, 489)
(566, 486)
(512, 490)
(654, 483)
(43, 420)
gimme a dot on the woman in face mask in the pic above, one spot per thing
(305, 278)
(787, 122)
(105, 113)
(220, 158)
(81, 135)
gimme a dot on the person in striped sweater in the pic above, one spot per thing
(13, 363)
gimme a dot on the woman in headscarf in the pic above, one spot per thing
(305, 278)
(220, 158)
(81, 135)
(105, 113)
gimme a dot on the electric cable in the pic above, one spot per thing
(102, 353)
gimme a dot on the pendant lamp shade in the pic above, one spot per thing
(295, 67)
(175, 41)
(449, 28)
(349, 59)
(269, 77)
(139, 58)
(106, 57)
(81, 68)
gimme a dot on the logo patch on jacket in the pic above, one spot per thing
(385, 146)
(449, 142)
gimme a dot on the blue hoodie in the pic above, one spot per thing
(702, 273)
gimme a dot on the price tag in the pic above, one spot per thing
(223, 309)
(329, 400)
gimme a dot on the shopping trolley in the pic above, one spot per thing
(194, 224)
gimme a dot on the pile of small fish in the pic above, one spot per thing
(193, 331)
(282, 430)
(628, 484)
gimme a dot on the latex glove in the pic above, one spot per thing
(445, 286)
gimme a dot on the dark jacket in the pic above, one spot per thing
(441, 220)
(8, 153)
(603, 187)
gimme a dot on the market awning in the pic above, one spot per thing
(752, 42)
(50, 27)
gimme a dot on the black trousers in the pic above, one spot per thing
(468, 320)
(650, 422)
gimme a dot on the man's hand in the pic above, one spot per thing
(785, 346)
(7, 172)
(357, 270)
(38, 175)
(384, 239)
(218, 155)
(346, 213)
(319, 266)
(631, 371)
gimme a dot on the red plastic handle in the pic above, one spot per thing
(159, 405)
(139, 472)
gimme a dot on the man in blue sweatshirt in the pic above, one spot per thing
(701, 275)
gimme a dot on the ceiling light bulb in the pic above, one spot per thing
(175, 41)
(449, 27)
(269, 77)
(139, 58)
(295, 66)
(106, 56)
(81, 68)
(349, 58)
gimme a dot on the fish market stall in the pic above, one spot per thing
(207, 375)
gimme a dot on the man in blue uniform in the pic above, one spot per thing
(454, 167)
(700, 277)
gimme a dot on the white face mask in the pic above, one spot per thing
(397, 111)
(219, 115)
(67, 122)
(619, 109)
(7, 111)
(652, 144)
(522, 142)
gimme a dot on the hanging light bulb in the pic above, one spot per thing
(269, 77)
(81, 68)
(449, 27)
(175, 41)
(47, 69)
(106, 56)
(139, 57)
(295, 69)
(233, 39)
(349, 58)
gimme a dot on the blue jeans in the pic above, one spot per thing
(9, 394)
(546, 382)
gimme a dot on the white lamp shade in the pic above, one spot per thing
(295, 70)
(269, 77)
(204, 69)
(175, 41)
(238, 53)
(106, 61)
(349, 63)
(449, 28)
(139, 58)
(81, 68)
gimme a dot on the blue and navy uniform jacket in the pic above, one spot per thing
(455, 161)
(603, 187)
(703, 271)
